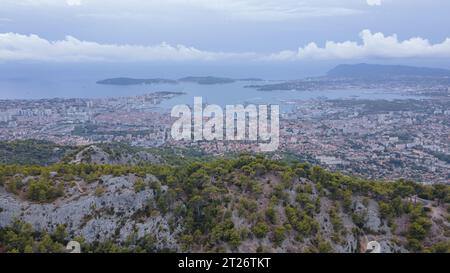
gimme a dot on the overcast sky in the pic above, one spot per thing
(225, 31)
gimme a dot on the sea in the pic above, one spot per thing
(221, 94)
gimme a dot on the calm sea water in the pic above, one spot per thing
(221, 94)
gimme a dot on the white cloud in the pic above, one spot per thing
(270, 10)
(17, 47)
(374, 2)
(73, 2)
(253, 10)
(374, 45)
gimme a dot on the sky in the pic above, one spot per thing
(283, 38)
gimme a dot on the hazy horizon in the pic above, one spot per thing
(237, 38)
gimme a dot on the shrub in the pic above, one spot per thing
(260, 230)
(279, 235)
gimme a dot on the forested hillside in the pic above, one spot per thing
(244, 204)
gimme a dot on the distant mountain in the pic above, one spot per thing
(384, 71)
(251, 80)
(207, 80)
(131, 81)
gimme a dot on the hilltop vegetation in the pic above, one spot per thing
(32, 152)
(243, 204)
(44, 153)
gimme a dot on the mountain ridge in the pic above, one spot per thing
(243, 204)
(364, 70)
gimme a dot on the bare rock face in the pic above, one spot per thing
(92, 216)
(124, 207)
(390, 247)
(91, 154)
(370, 213)
(373, 218)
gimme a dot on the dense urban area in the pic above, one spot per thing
(374, 139)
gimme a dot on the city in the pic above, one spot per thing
(383, 140)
